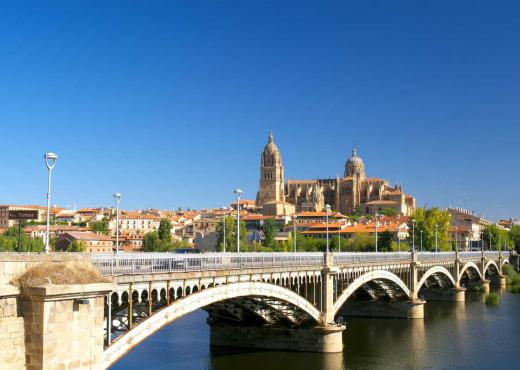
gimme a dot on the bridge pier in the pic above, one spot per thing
(450, 295)
(482, 285)
(323, 339)
(499, 280)
(413, 309)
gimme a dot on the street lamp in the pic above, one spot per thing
(50, 162)
(413, 235)
(421, 240)
(436, 238)
(238, 194)
(294, 232)
(327, 209)
(376, 216)
(117, 198)
(224, 209)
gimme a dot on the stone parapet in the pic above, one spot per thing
(64, 325)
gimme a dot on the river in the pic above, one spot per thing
(453, 335)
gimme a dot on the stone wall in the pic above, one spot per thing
(12, 345)
(64, 326)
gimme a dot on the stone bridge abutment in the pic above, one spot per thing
(286, 301)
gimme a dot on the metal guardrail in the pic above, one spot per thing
(370, 257)
(435, 256)
(142, 263)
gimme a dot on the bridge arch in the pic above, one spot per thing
(469, 265)
(198, 300)
(365, 278)
(435, 270)
(489, 264)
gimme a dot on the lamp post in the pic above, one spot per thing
(224, 209)
(421, 240)
(327, 209)
(117, 199)
(238, 194)
(436, 238)
(413, 235)
(376, 217)
(339, 239)
(50, 162)
(294, 232)
(490, 242)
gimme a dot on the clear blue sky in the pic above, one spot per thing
(170, 102)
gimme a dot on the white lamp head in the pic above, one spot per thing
(50, 160)
(327, 207)
(238, 193)
(117, 197)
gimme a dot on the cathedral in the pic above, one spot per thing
(354, 193)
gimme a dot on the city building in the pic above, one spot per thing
(354, 193)
(39, 231)
(134, 221)
(94, 243)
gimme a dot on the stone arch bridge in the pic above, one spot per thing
(258, 299)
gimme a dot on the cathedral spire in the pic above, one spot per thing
(271, 139)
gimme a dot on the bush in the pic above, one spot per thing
(515, 289)
(493, 299)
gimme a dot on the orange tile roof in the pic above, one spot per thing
(88, 236)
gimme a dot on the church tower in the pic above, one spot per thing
(271, 175)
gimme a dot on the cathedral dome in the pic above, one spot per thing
(355, 166)
(354, 159)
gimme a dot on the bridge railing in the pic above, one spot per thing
(140, 263)
(435, 256)
(495, 254)
(369, 257)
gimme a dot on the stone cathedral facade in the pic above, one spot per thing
(354, 193)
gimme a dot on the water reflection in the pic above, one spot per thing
(462, 335)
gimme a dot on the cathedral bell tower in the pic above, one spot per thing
(271, 175)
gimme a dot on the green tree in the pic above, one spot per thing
(165, 231)
(389, 212)
(425, 220)
(384, 241)
(269, 233)
(100, 227)
(77, 246)
(360, 243)
(491, 237)
(514, 235)
(9, 242)
(151, 242)
(231, 238)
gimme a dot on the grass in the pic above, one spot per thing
(493, 299)
(59, 273)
